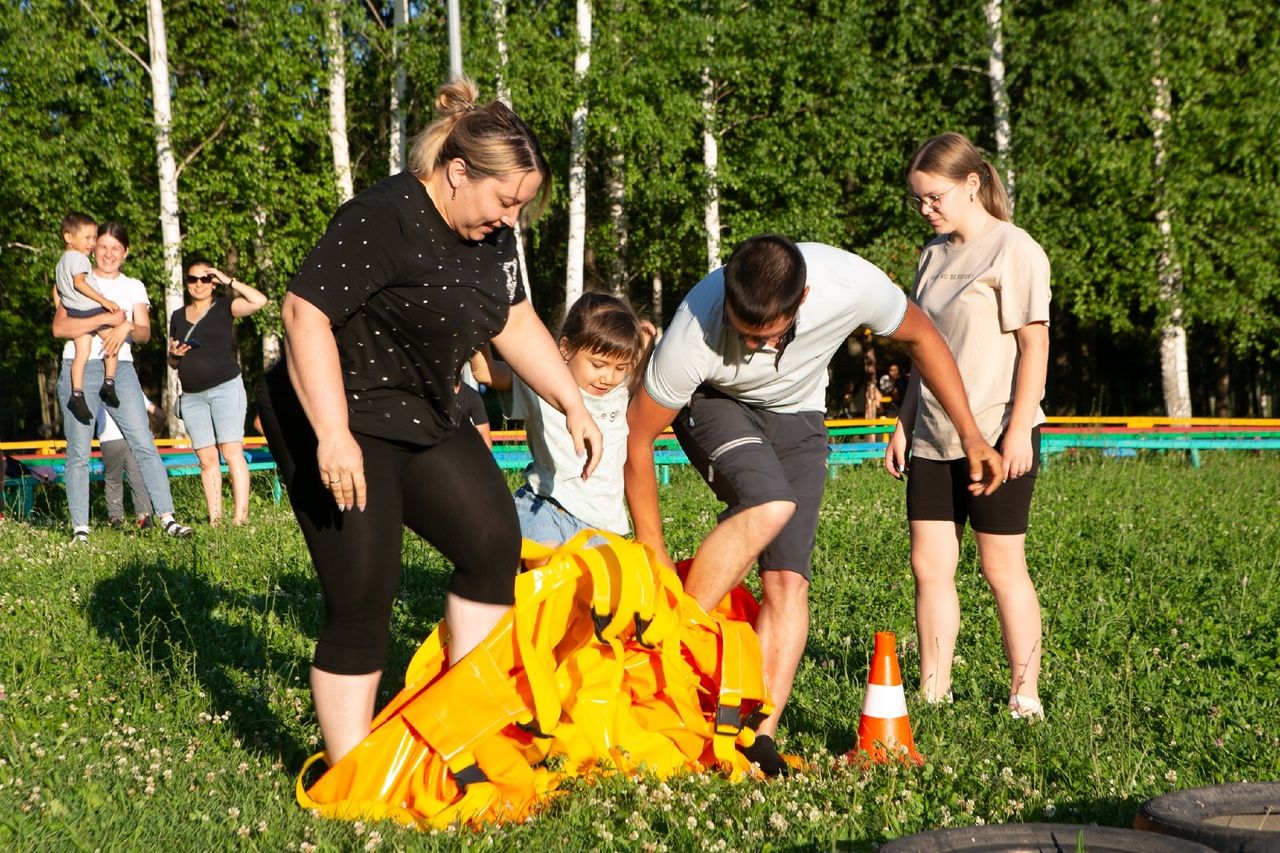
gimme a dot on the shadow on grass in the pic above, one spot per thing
(176, 619)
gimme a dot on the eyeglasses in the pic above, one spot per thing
(752, 343)
(930, 200)
(207, 279)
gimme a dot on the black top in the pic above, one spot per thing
(473, 405)
(214, 360)
(409, 301)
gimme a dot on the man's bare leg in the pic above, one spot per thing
(783, 628)
(729, 551)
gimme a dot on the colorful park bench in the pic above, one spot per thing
(853, 442)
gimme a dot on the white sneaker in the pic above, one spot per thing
(1025, 708)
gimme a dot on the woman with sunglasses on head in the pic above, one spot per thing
(984, 282)
(213, 404)
(412, 276)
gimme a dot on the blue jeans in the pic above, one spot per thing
(131, 417)
(547, 522)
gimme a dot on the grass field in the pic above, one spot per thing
(153, 692)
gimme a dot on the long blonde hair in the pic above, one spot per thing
(954, 157)
(491, 140)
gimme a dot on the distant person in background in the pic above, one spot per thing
(893, 385)
(984, 282)
(130, 325)
(474, 411)
(213, 403)
(81, 299)
(118, 462)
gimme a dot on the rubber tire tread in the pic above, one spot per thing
(1182, 814)
(1040, 838)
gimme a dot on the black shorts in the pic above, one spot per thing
(750, 457)
(82, 313)
(939, 491)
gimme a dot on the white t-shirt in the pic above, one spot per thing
(125, 292)
(979, 294)
(556, 470)
(107, 429)
(699, 347)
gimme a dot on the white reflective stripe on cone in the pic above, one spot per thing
(884, 702)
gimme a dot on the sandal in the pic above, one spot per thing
(1025, 708)
(172, 528)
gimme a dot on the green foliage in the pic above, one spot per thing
(817, 107)
(154, 692)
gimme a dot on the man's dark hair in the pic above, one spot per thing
(764, 281)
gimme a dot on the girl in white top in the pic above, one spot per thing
(984, 283)
(603, 343)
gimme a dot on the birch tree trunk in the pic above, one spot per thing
(617, 193)
(994, 12)
(338, 101)
(656, 305)
(500, 35)
(575, 262)
(166, 163)
(455, 38)
(1173, 333)
(271, 351)
(396, 155)
(711, 161)
(504, 95)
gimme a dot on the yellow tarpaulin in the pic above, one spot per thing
(604, 665)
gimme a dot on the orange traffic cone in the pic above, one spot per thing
(884, 732)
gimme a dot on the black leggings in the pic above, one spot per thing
(452, 494)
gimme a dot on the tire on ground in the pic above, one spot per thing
(1242, 817)
(1040, 838)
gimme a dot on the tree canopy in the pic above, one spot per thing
(818, 105)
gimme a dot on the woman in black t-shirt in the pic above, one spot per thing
(213, 403)
(412, 276)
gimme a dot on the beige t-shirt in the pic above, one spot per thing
(978, 295)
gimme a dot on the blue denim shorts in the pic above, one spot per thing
(216, 415)
(545, 521)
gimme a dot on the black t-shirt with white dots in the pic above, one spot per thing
(409, 301)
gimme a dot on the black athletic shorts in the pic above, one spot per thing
(939, 491)
(750, 456)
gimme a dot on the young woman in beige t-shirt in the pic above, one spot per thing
(984, 283)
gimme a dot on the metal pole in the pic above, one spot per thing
(455, 39)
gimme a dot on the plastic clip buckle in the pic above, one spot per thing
(728, 720)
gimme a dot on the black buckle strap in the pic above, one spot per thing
(754, 719)
(601, 621)
(532, 728)
(642, 625)
(728, 720)
(468, 775)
